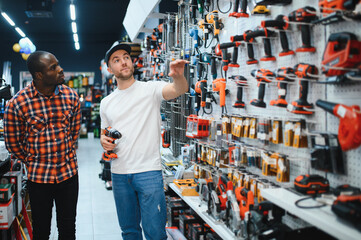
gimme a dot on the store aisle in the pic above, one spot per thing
(96, 214)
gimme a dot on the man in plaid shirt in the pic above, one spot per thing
(41, 127)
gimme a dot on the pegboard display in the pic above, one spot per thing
(315, 119)
(320, 121)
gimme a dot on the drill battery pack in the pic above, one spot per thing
(311, 184)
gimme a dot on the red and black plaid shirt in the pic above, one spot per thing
(42, 132)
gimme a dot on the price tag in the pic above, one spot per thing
(319, 140)
(341, 111)
(282, 92)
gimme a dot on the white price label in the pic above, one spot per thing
(319, 140)
(282, 92)
(341, 111)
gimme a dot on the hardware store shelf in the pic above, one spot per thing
(322, 218)
(201, 209)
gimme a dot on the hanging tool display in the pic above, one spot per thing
(349, 130)
(265, 33)
(193, 32)
(304, 15)
(282, 76)
(342, 53)
(281, 24)
(114, 134)
(201, 88)
(305, 72)
(241, 82)
(204, 26)
(263, 76)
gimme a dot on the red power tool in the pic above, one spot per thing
(114, 134)
(262, 76)
(282, 76)
(225, 60)
(304, 72)
(219, 85)
(349, 130)
(246, 200)
(240, 81)
(328, 6)
(304, 15)
(343, 50)
(249, 36)
(280, 23)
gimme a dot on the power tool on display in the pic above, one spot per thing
(280, 23)
(240, 82)
(282, 76)
(250, 52)
(342, 54)
(263, 76)
(329, 6)
(213, 19)
(349, 130)
(304, 15)
(305, 72)
(232, 216)
(311, 184)
(114, 134)
(243, 13)
(249, 36)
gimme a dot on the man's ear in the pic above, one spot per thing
(38, 75)
(109, 70)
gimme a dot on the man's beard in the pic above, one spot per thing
(127, 76)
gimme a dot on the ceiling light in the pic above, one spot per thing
(76, 38)
(7, 18)
(22, 34)
(77, 46)
(72, 12)
(73, 27)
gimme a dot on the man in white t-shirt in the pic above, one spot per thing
(134, 110)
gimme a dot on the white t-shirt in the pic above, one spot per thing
(135, 113)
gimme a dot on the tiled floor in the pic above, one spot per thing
(96, 214)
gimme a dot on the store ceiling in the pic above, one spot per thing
(98, 21)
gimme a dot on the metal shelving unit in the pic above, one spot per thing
(322, 218)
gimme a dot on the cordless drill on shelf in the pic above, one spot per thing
(114, 134)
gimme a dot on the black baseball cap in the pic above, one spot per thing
(117, 45)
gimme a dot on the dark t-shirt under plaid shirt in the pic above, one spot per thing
(42, 131)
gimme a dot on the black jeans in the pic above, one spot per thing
(42, 196)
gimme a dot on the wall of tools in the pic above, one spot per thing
(274, 95)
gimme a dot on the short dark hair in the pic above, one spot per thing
(34, 64)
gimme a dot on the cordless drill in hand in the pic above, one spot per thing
(114, 134)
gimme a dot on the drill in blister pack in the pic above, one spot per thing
(114, 134)
(283, 77)
(349, 130)
(304, 16)
(341, 55)
(263, 76)
(240, 82)
(305, 72)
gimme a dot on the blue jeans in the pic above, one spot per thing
(139, 198)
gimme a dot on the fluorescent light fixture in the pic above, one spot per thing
(72, 12)
(73, 27)
(22, 34)
(7, 18)
(76, 38)
(77, 46)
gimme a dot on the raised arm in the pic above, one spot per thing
(179, 85)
